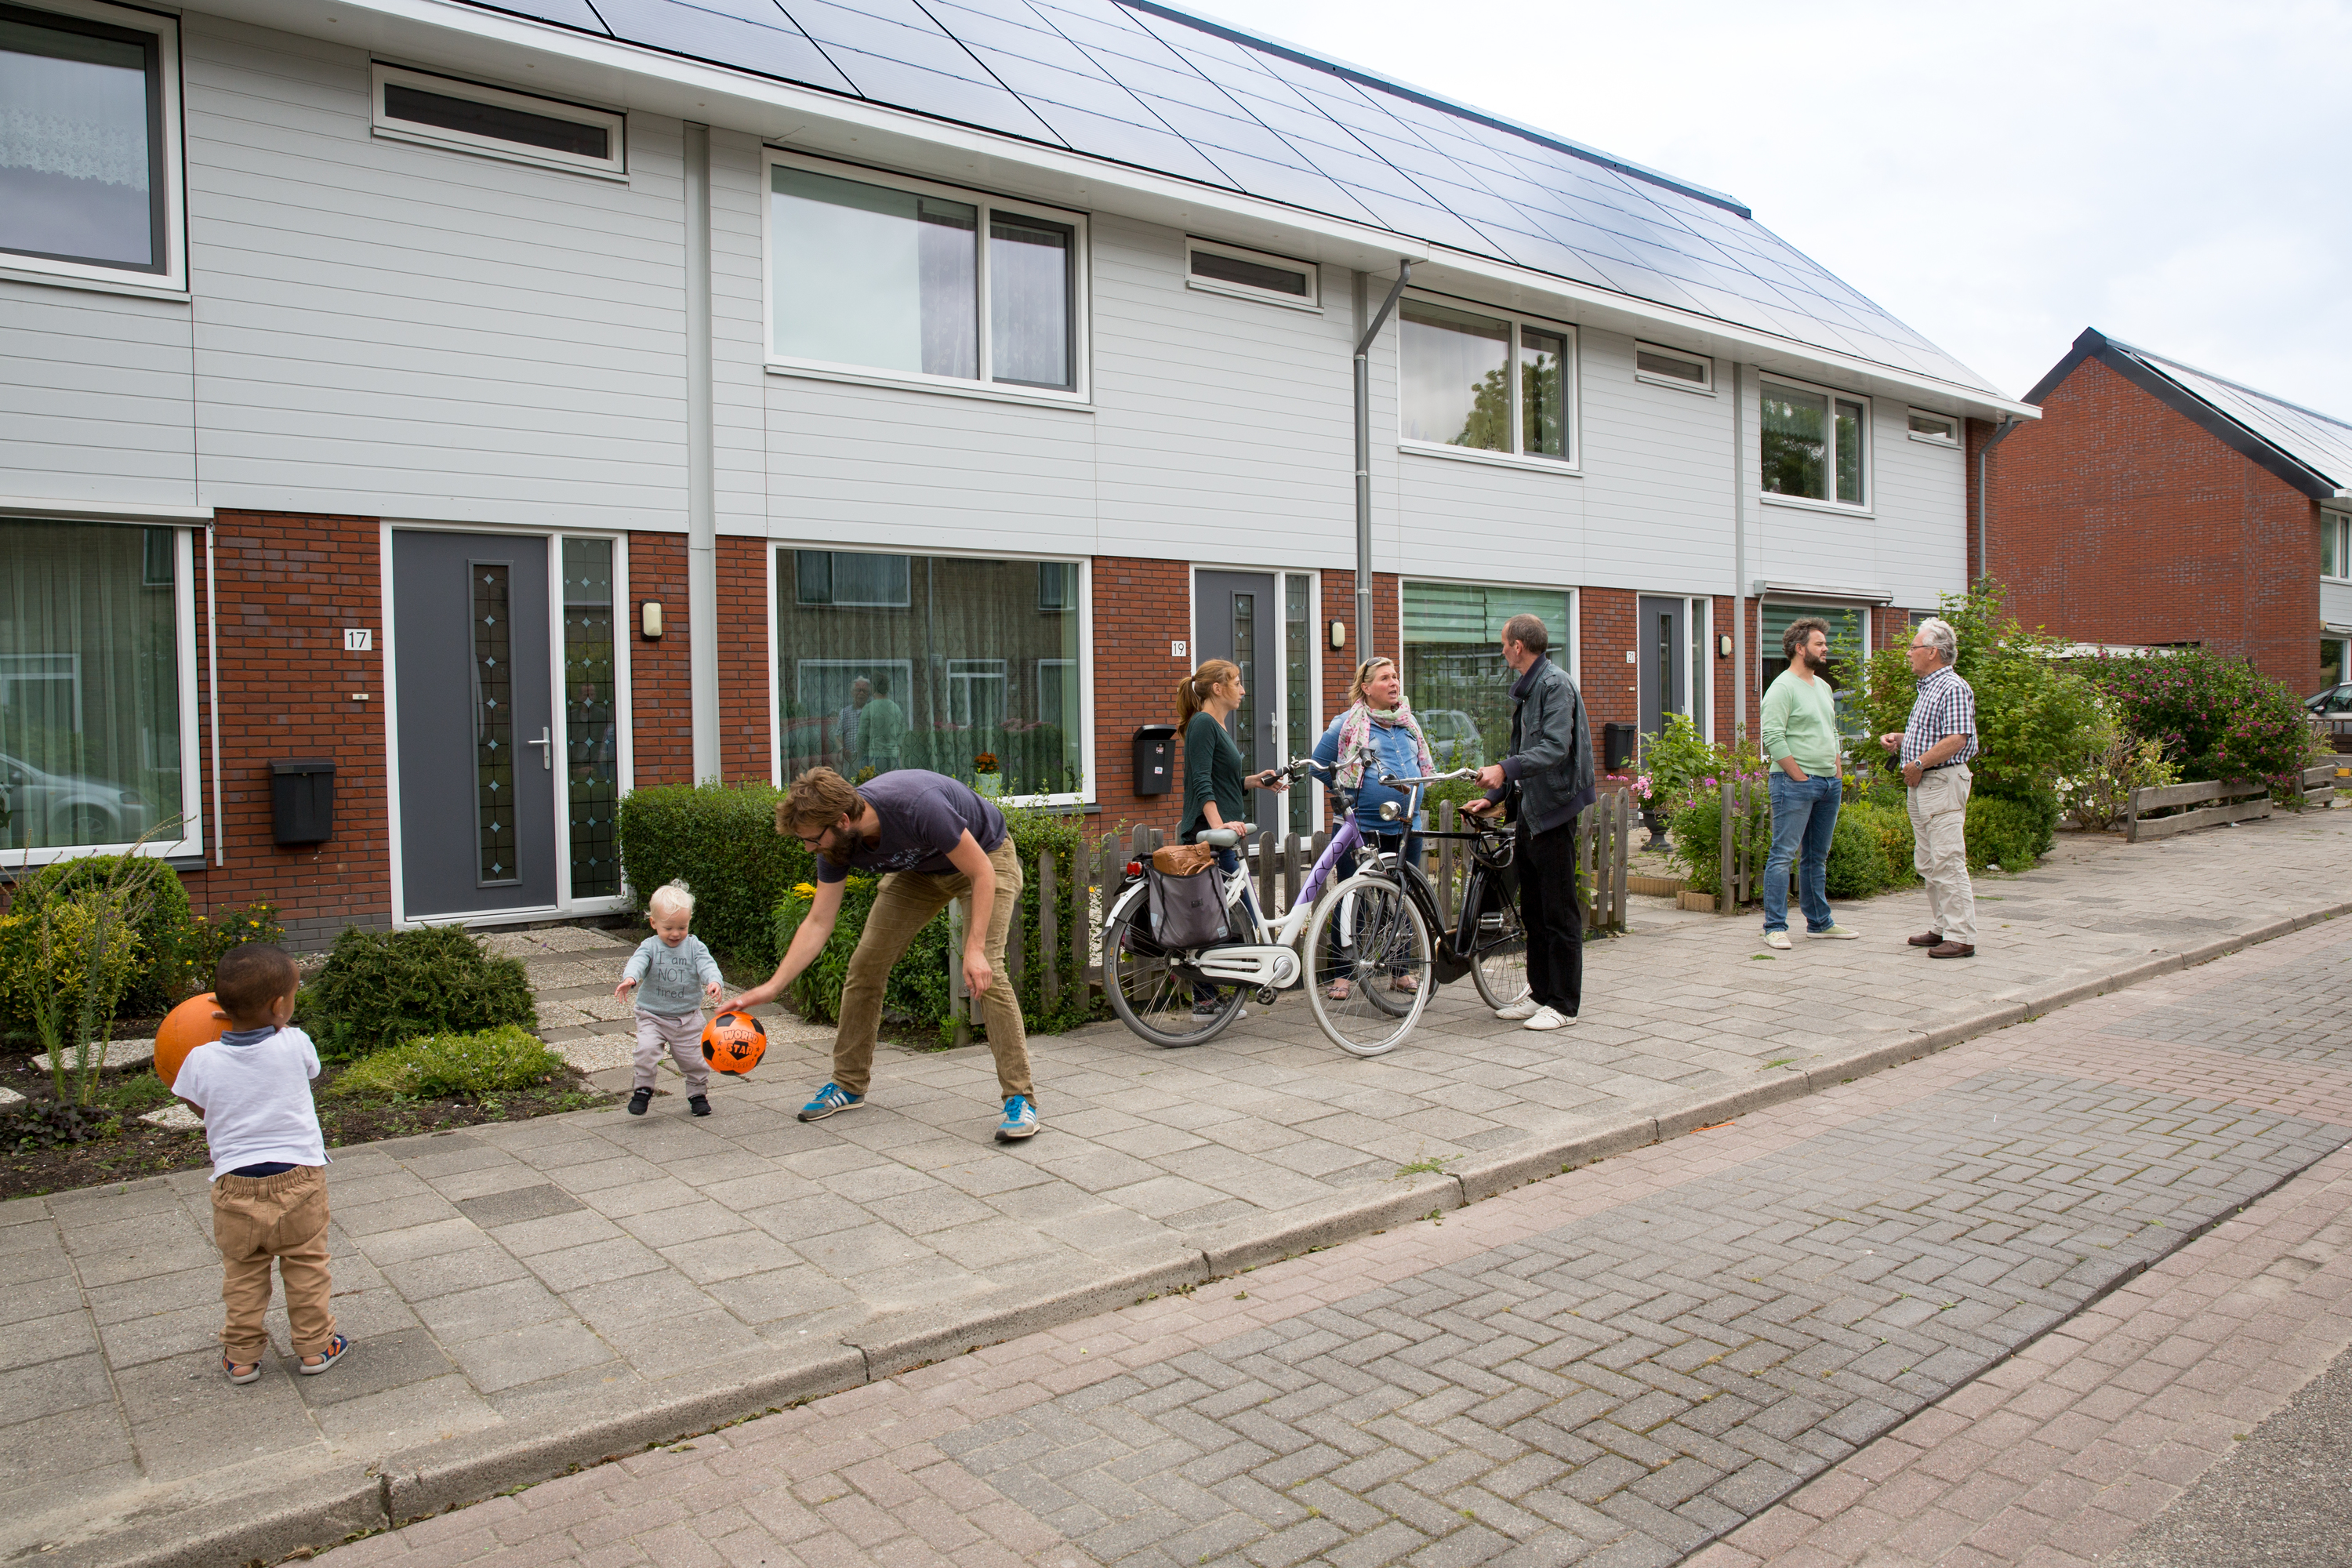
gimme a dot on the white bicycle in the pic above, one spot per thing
(1370, 937)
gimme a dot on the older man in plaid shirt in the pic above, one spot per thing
(1935, 748)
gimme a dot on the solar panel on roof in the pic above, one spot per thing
(1138, 85)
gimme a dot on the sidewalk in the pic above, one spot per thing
(2065, 1263)
(533, 1295)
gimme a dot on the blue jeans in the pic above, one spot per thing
(1803, 818)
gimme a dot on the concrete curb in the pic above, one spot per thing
(322, 1510)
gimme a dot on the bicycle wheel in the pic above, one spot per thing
(1157, 995)
(1386, 963)
(1498, 957)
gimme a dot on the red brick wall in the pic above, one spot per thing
(1388, 631)
(1722, 673)
(1605, 632)
(660, 703)
(288, 588)
(743, 712)
(2118, 519)
(1140, 607)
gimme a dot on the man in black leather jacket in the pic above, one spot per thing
(1550, 768)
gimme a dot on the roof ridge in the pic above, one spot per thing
(2139, 352)
(1250, 39)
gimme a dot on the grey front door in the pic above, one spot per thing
(1662, 648)
(1233, 614)
(477, 828)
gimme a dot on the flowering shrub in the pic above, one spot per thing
(2214, 717)
(2100, 789)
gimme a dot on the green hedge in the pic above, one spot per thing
(721, 841)
(159, 961)
(442, 1067)
(384, 988)
(1870, 851)
(2010, 831)
(918, 989)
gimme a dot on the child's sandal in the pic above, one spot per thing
(327, 1358)
(251, 1372)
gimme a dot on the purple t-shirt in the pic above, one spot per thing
(923, 816)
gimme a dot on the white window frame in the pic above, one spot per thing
(1869, 465)
(173, 278)
(1910, 413)
(1572, 395)
(1704, 387)
(1312, 301)
(1085, 795)
(190, 805)
(1078, 395)
(2342, 525)
(1563, 650)
(615, 126)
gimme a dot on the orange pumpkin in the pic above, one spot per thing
(189, 1025)
(733, 1043)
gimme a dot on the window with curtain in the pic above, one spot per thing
(1849, 637)
(975, 659)
(89, 684)
(1812, 444)
(1455, 676)
(1490, 382)
(83, 169)
(899, 278)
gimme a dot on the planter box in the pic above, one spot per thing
(1656, 887)
(1704, 903)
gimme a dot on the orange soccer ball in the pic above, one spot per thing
(189, 1025)
(733, 1043)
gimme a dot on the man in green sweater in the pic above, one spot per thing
(1801, 744)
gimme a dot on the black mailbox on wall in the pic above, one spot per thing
(1155, 759)
(302, 800)
(1618, 743)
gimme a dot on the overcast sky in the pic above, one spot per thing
(1999, 176)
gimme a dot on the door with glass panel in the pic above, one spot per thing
(478, 749)
(1662, 649)
(1233, 617)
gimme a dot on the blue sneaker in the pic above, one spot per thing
(829, 1099)
(1020, 1121)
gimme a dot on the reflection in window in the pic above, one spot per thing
(1458, 388)
(90, 686)
(877, 278)
(851, 577)
(1455, 676)
(591, 736)
(972, 660)
(1809, 440)
(81, 142)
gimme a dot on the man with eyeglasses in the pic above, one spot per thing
(935, 841)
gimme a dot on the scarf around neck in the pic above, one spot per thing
(1356, 748)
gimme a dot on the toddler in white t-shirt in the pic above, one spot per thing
(252, 1086)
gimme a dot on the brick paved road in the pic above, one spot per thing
(1604, 1368)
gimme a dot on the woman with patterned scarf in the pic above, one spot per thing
(1377, 736)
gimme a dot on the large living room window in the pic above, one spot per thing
(90, 144)
(1814, 444)
(902, 278)
(95, 706)
(1455, 676)
(1484, 382)
(937, 662)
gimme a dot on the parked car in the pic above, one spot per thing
(2333, 702)
(52, 810)
(1446, 728)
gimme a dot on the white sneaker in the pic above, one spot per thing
(1548, 1018)
(1778, 939)
(1525, 1008)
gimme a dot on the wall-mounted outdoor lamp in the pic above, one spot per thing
(1722, 644)
(1339, 635)
(649, 619)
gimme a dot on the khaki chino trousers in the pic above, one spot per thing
(903, 905)
(255, 1219)
(1939, 849)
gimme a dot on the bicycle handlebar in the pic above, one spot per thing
(1458, 773)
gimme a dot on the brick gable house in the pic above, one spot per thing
(2155, 505)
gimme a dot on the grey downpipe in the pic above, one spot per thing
(2009, 422)
(1364, 461)
(1738, 557)
(701, 482)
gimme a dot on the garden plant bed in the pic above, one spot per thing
(134, 1149)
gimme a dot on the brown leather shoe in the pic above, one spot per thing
(1953, 950)
(1927, 939)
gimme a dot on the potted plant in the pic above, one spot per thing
(987, 776)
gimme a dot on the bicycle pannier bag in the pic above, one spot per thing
(1187, 910)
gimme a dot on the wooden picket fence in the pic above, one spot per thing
(1741, 856)
(1279, 866)
(2216, 803)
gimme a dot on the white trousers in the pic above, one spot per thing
(1939, 848)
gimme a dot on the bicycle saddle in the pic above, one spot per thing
(1218, 837)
